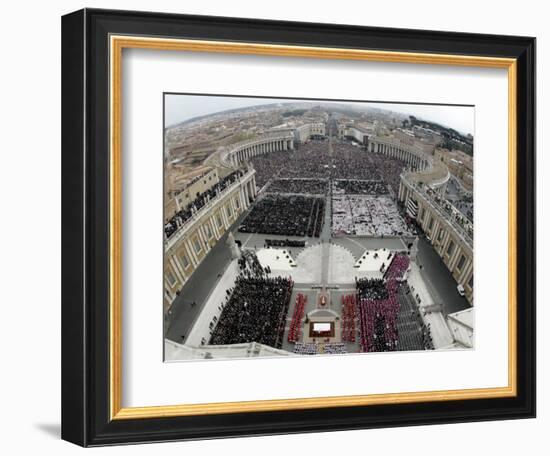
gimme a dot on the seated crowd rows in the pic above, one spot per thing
(300, 186)
(295, 330)
(359, 187)
(286, 215)
(349, 315)
(367, 215)
(389, 319)
(378, 324)
(378, 309)
(172, 225)
(284, 243)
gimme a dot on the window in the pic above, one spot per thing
(220, 220)
(237, 203)
(228, 210)
(461, 262)
(197, 245)
(184, 260)
(450, 248)
(441, 233)
(421, 214)
(471, 282)
(171, 278)
(431, 224)
(208, 231)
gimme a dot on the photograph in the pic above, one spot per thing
(297, 227)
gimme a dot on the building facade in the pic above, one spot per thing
(189, 245)
(189, 190)
(448, 230)
(309, 130)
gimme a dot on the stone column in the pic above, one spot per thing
(233, 247)
(414, 249)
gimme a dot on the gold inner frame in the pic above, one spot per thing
(117, 44)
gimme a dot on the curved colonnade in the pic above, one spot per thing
(243, 151)
(412, 155)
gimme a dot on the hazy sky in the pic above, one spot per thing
(182, 107)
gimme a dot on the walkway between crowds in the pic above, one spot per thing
(441, 334)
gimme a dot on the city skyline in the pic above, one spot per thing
(178, 109)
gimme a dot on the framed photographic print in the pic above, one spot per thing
(279, 227)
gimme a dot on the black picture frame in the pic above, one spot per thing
(85, 228)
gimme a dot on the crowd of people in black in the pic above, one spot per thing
(300, 186)
(284, 243)
(286, 215)
(369, 288)
(352, 162)
(359, 187)
(413, 333)
(305, 161)
(255, 309)
(250, 266)
(172, 225)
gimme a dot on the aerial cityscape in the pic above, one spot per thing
(311, 227)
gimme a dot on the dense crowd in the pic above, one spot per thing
(315, 160)
(390, 169)
(361, 182)
(255, 309)
(352, 162)
(359, 187)
(300, 186)
(199, 202)
(284, 243)
(286, 215)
